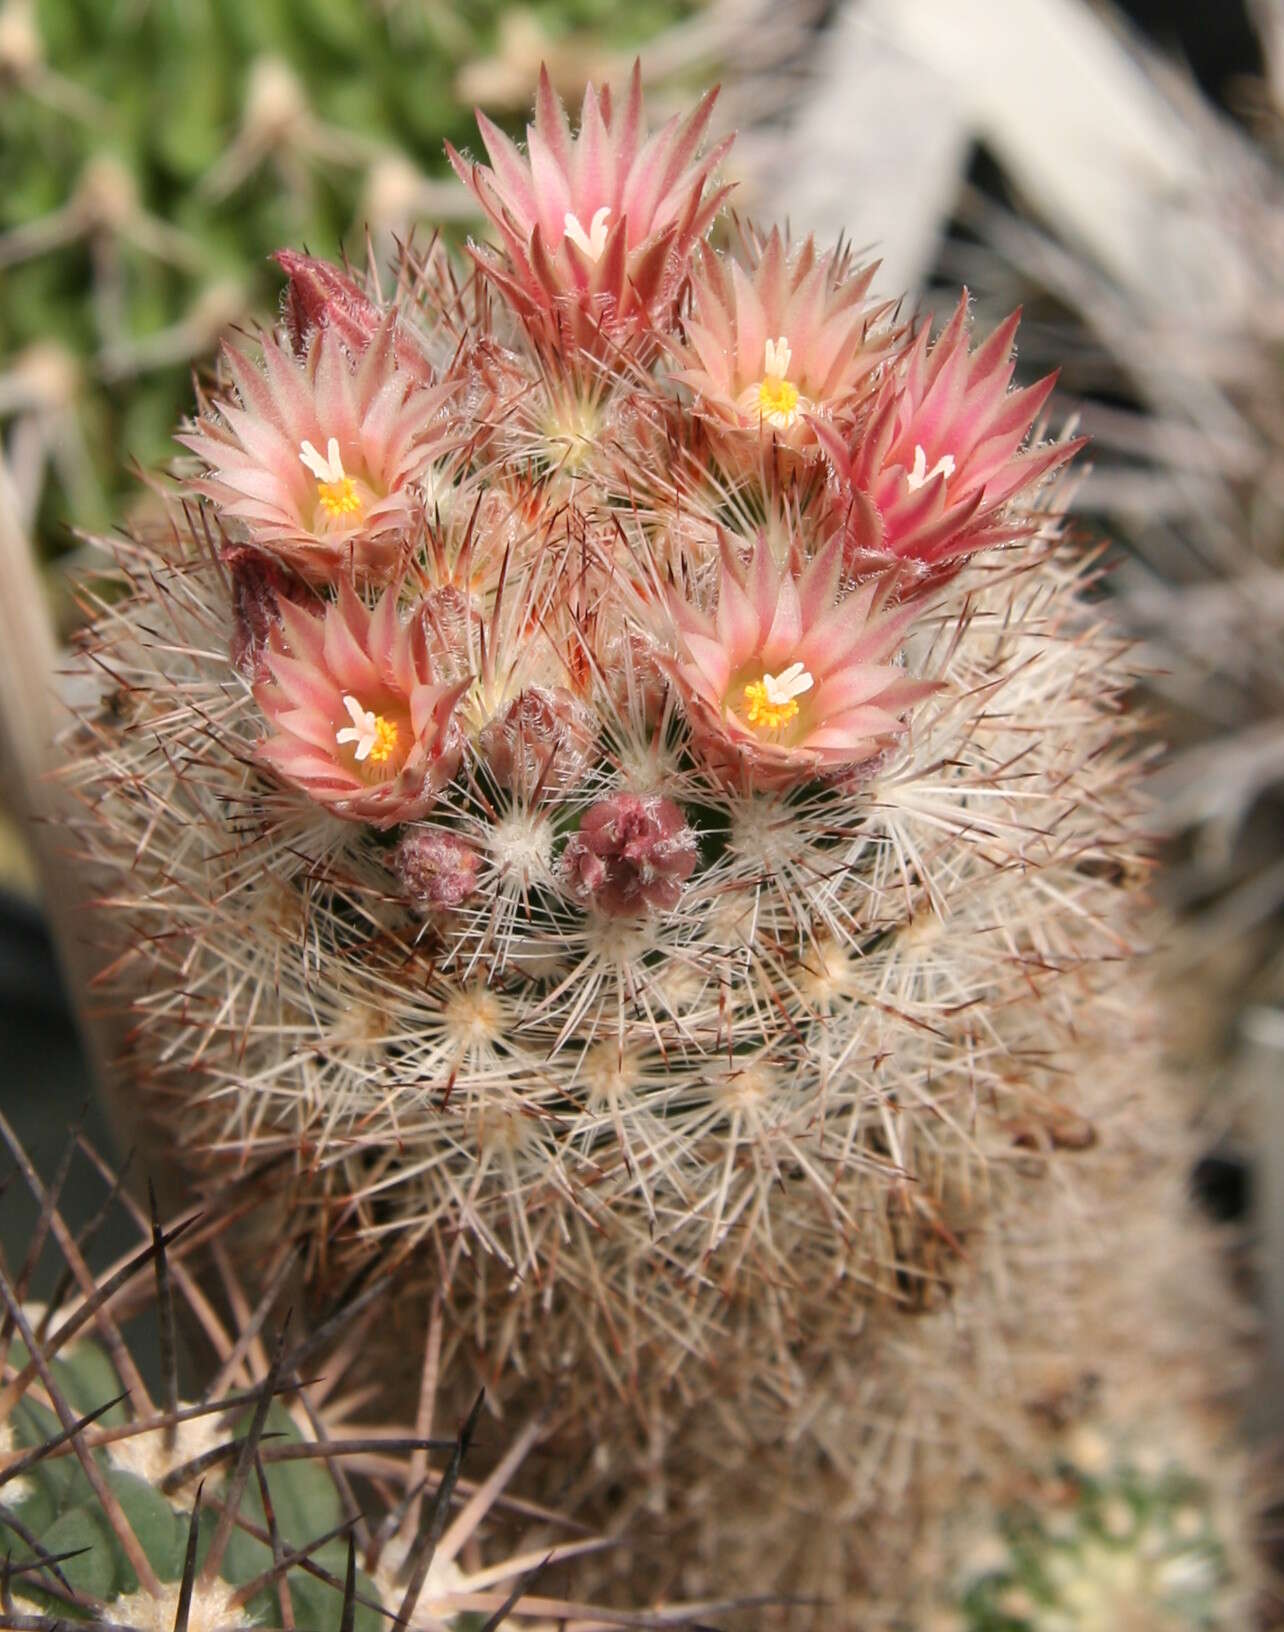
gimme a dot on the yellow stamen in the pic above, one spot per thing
(763, 714)
(385, 740)
(339, 498)
(373, 737)
(777, 400)
(336, 490)
(773, 701)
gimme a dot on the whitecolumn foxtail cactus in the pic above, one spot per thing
(676, 875)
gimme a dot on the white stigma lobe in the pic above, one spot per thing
(592, 242)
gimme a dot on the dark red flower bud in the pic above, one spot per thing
(259, 585)
(631, 852)
(319, 296)
(436, 870)
(542, 740)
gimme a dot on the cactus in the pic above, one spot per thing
(1120, 1532)
(612, 767)
(124, 1503)
(1124, 1549)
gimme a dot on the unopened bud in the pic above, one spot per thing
(630, 853)
(436, 870)
(259, 585)
(542, 740)
(446, 613)
(319, 296)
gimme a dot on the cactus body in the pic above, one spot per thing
(674, 870)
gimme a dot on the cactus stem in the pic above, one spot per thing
(29, 1459)
(288, 1560)
(46, 1564)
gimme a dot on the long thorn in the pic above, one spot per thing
(86, 1238)
(189, 1559)
(241, 1472)
(519, 1591)
(349, 1615)
(24, 1464)
(284, 1597)
(112, 1510)
(165, 1315)
(14, 1389)
(425, 1548)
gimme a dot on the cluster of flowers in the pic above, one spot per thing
(519, 550)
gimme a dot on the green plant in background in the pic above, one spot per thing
(1117, 1538)
(256, 1502)
(154, 152)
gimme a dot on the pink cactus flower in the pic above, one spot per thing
(319, 462)
(598, 228)
(437, 872)
(926, 479)
(631, 853)
(362, 723)
(789, 679)
(772, 346)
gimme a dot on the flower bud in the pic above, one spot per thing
(446, 614)
(436, 870)
(319, 296)
(543, 739)
(631, 853)
(259, 585)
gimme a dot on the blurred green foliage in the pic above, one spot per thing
(1124, 1550)
(154, 152)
